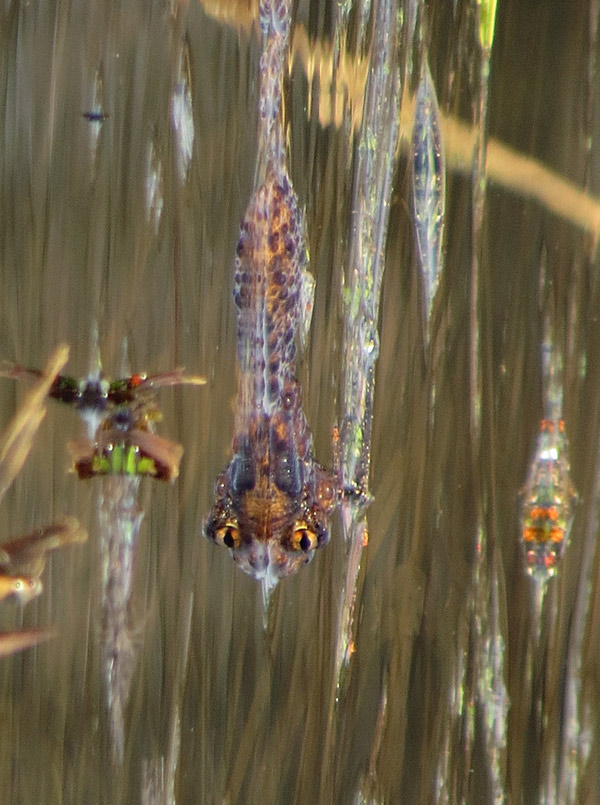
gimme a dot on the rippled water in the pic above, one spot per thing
(456, 689)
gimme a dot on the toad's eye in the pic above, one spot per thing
(229, 535)
(303, 539)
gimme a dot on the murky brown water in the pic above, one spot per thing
(260, 717)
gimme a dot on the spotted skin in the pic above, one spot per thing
(273, 500)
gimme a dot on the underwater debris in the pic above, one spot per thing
(25, 588)
(12, 642)
(28, 554)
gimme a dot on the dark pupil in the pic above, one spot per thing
(305, 542)
(228, 539)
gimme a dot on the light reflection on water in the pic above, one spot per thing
(77, 243)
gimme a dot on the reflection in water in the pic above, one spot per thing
(120, 417)
(29, 554)
(274, 501)
(450, 690)
(22, 561)
(12, 642)
(125, 449)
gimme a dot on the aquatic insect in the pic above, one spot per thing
(95, 116)
(125, 444)
(120, 418)
(548, 502)
(97, 394)
(273, 500)
(549, 497)
(27, 555)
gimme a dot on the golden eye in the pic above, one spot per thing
(229, 535)
(303, 539)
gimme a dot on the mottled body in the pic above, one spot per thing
(548, 502)
(274, 500)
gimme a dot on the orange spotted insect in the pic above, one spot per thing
(548, 502)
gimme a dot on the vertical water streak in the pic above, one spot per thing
(590, 90)
(372, 186)
(491, 688)
(488, 659)
(159, 773)
(182, 115)
(457, 713)
(578, 717)
(374, 160)
(573, 780)
(154, 187)
(485, 30)
(365, 794)
(414, 25)
(119, 520)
